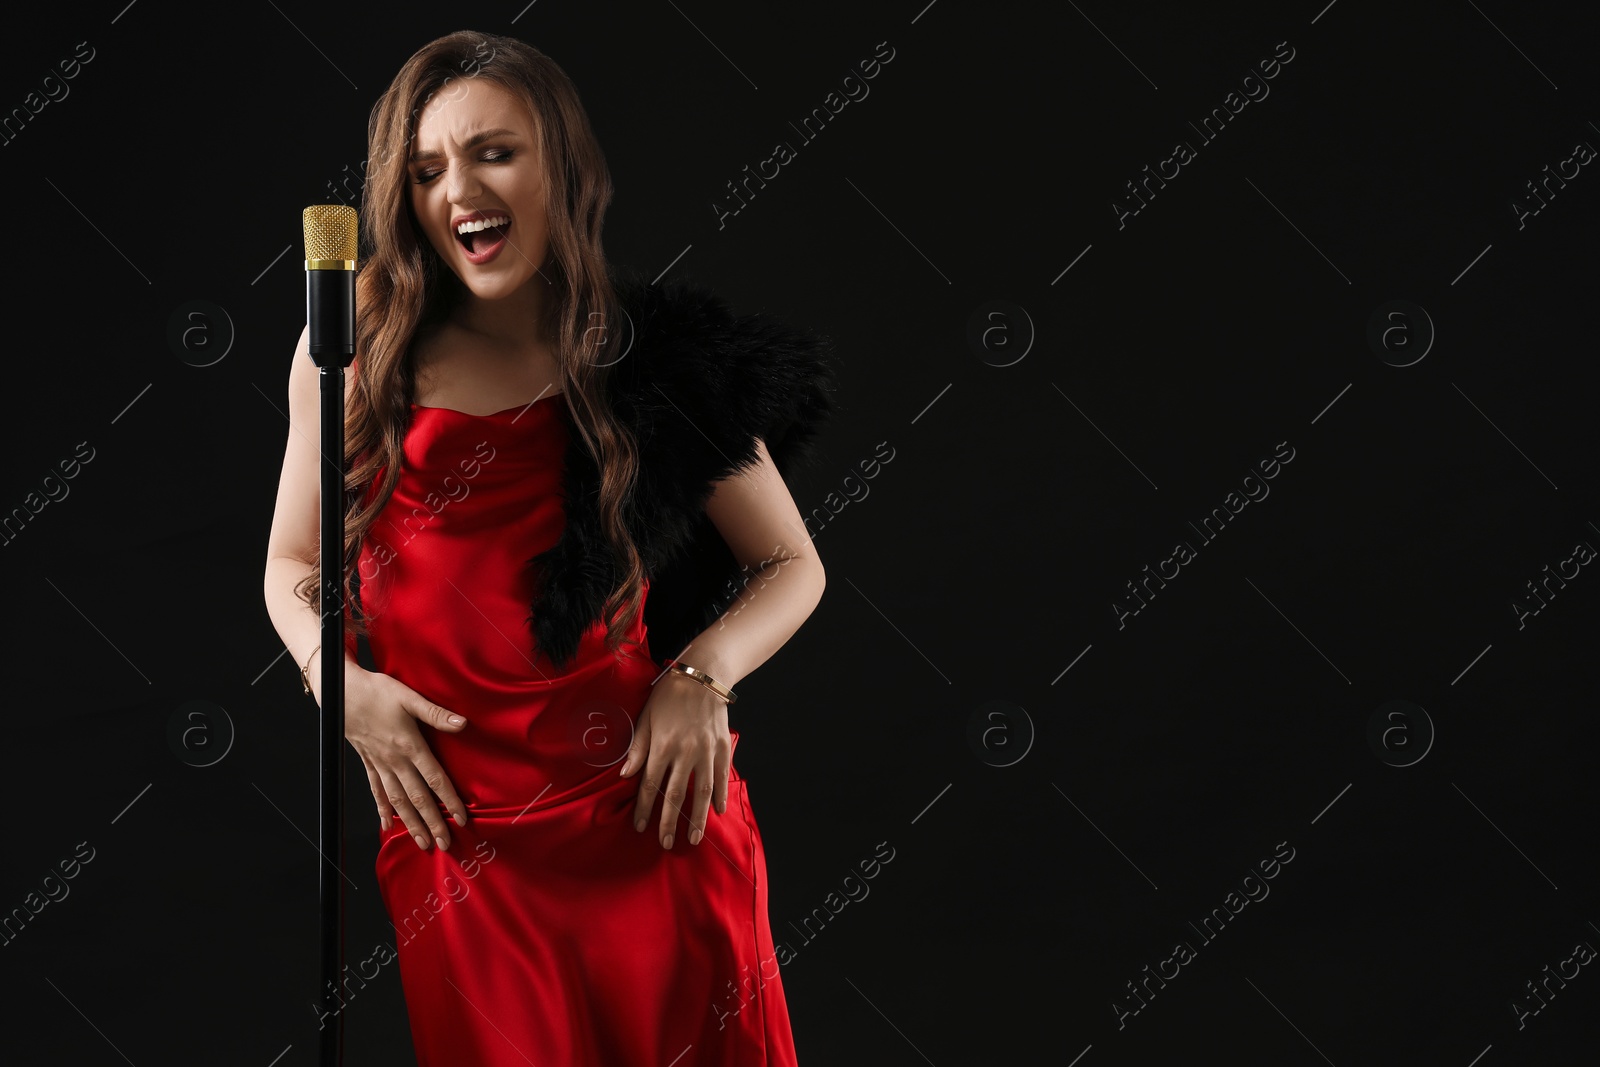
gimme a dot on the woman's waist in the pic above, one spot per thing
(500, 780)
(497, 661)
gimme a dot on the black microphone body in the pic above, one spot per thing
(331, 314)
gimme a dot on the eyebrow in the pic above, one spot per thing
(475, 139)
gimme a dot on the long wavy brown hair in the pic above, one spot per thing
(402, 285)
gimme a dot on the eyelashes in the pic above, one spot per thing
(499, 156)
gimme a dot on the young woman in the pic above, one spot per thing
(535, 442)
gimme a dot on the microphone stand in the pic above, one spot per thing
(330, 314)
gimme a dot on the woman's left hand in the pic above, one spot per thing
(683, 729)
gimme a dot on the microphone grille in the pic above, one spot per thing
(330, 232)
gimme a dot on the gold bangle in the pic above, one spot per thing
(704, 679)
(305, 672)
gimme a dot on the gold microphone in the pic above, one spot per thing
(330, 234)
(330, 231)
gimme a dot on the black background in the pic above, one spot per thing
(1228, 720)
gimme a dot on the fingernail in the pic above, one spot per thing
(460, 820)
(443, 843)
(638, 824)
(668, 842)
(422, 842)
(694, 836)
(455, 720)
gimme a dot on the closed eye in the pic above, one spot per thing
(502, 155)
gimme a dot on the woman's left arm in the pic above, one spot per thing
(686, 729)
(782, 577)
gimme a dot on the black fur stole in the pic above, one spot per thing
(698, 386)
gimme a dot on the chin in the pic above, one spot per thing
(491, 288)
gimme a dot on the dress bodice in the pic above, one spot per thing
(443, 568)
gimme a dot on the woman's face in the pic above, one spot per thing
(457, 174)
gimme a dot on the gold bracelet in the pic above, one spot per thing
(305, 672)
(704, 679)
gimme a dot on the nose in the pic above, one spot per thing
(464, 187)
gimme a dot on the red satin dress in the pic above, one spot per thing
(551, 932)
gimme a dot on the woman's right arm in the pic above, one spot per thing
(295, 521)
(381, 712)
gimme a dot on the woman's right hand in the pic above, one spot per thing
(380, 722)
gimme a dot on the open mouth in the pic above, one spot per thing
(481, 244)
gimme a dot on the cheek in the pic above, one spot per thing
(529, 189)
(429, 230)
